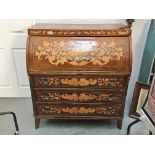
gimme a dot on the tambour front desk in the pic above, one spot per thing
(79, 71)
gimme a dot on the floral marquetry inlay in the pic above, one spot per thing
(81, 110)
(78, 53)
(123, 32)
(75, 82)
(79, 82)
(51, 96)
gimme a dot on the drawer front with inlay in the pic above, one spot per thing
(80, 110)
(74, 96)
(78, 81)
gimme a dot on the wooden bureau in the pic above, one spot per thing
(79, 71)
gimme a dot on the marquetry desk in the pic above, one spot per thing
(79, 71)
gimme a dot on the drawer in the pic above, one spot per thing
(80, 110)
(40, 81)
(78, 96)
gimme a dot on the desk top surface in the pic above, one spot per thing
(79, 26)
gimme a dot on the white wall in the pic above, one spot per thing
(13, 43)
(139, 34)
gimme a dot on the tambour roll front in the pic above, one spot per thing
(79, 71)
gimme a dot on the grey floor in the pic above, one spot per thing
(23, 109)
